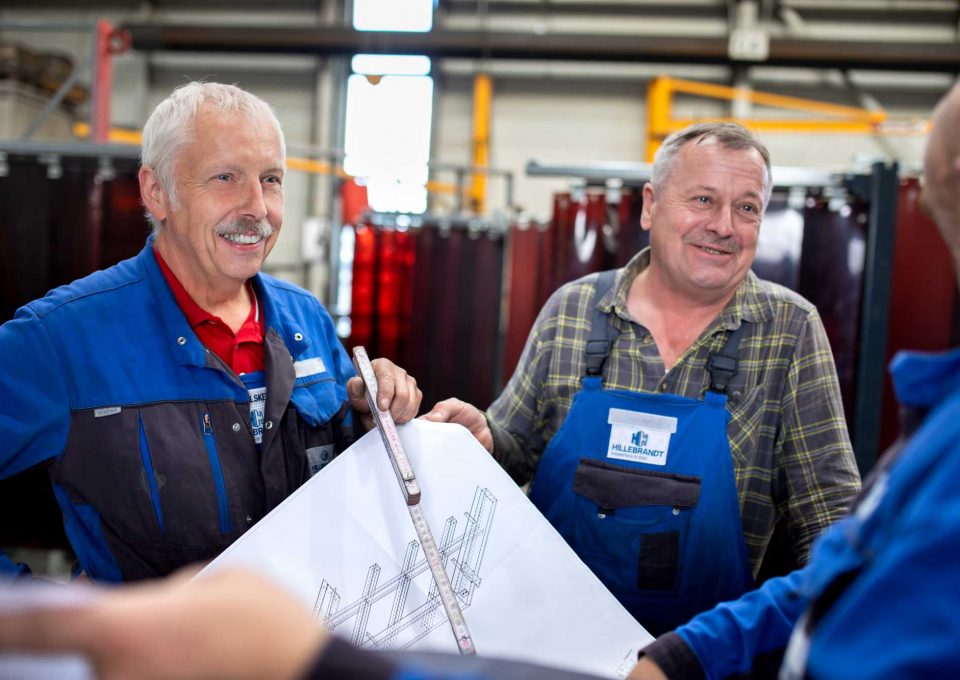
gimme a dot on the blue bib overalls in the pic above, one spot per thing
(642, 487)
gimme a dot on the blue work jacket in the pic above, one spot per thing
(879, 596)
(147, 434)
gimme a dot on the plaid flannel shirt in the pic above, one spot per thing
(788, 437)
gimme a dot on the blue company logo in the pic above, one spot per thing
(256, 419)
(638, 446)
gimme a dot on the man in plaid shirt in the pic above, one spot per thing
(669, 413)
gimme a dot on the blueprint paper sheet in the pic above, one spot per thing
(345, 545)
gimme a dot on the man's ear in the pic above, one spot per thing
(152, 193)
(646, 213)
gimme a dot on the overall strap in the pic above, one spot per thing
(602, 332)
(722, 365)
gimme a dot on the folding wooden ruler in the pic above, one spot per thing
(411, 492)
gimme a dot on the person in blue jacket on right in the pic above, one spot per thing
(880, 597)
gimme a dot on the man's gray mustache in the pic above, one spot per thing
(261, 228)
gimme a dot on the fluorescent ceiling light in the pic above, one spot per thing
(390, 65)
(393, 15)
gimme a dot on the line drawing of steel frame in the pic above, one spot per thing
(402, 630)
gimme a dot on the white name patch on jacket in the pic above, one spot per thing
(639, 437)
(308, 367)
(258, 404)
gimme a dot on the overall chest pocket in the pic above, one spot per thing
(630, 525)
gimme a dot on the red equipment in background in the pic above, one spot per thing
(591, 230)
(353, 201)
(924, 312)
(382, 296)
(59, 220)
(530, 282)
(62, 220)
(427, 297)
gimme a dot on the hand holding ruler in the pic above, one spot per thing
(411, 493)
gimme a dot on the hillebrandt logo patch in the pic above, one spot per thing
(639, 437)
(258, 402)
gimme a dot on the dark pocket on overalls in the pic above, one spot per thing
(630, 525)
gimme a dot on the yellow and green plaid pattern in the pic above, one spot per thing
(788, 438)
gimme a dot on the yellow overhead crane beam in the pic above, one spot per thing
(844, 119)
(308, 165)
(115, 135)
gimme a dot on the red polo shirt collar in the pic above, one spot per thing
(242, 351)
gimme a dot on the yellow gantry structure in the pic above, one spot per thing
(834, 118)
(482, 99)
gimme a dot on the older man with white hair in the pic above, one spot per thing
(179, 396)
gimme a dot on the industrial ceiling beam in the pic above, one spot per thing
(902, 56)
(712, 9)
(911, 12)
(880, 11)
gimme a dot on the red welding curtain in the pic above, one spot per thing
(586, 234)
(429, 300)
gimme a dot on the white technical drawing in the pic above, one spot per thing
(402, 624)
(343, 545)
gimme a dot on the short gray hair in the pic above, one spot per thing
(728, 135)
(170, 127)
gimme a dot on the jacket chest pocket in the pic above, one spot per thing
(630, 525)
(158, 473)
(318, 398)
(325, 428)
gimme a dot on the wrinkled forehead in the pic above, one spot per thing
(748, 158)
(247, 119)
(235, 133)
